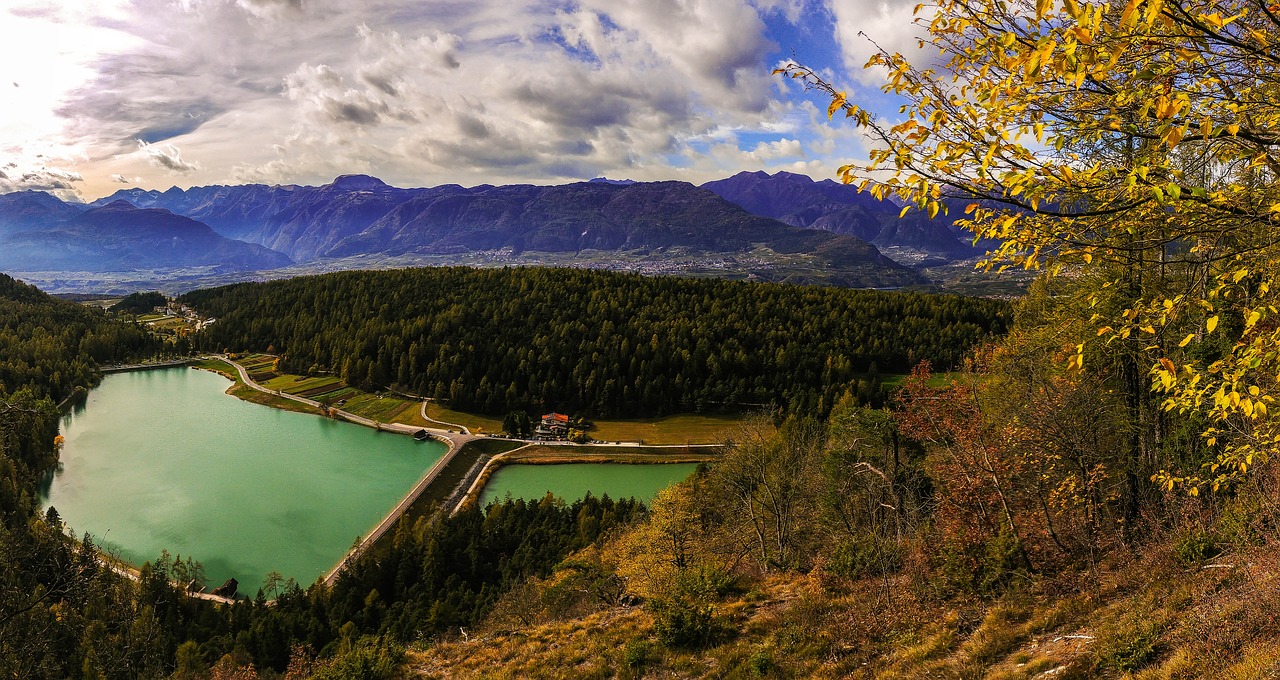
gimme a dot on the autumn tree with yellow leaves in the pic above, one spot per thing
(1134, 147)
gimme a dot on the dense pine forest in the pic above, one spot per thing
(598, 343)
(51, 346)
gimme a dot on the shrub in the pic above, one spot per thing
(866, 556)
(1129, 648)
(1245, 520)
(984, 567)
(1003, 562)
(683, 624)
(1195, 547)
(761, 663)
(368, 659)
(636, 654)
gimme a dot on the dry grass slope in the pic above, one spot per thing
(1152, 618)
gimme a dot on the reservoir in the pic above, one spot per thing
(164, 460)
(572, 481)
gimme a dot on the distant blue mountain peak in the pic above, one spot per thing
(359, 183)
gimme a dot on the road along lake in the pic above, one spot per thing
(164, 460)
(572, 481)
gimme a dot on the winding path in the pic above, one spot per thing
(429, 419)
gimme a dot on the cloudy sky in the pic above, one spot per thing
(102, 94)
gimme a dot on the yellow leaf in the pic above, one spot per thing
(836, 102)
(1211, 323)
(1187, 340)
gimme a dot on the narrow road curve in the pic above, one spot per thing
(441, 422)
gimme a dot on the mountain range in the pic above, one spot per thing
(839, 208)
(38, 232)
(778, 218)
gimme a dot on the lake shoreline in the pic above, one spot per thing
(635, 454)
(183, 471)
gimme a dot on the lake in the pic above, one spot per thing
(164, 460)
(572, 481)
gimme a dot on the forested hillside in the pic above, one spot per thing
(600, 343)
(50, 346)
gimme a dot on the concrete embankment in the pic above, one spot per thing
(390, 519)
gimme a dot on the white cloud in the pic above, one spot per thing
(418, 93)
(715, 45)
(270, 9)
(782, 148)
(57, 181)
(166, 156)
(863, 25)
(323, 97)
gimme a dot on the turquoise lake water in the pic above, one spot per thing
(164, 460)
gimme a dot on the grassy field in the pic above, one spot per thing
(381, 407)
(172, 324)
(297, 384)
(472, 421)
(266, 399)
(219, 366)
(536, 454)
(386, 407)
(243, 391)
(682, 429)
